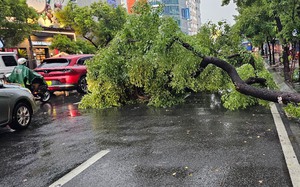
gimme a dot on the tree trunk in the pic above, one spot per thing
(286, 66)
(262, 52)
(269, 51)
(273, 51)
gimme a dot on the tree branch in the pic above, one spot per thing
(90, 40)
(244, 88)
(240, 85)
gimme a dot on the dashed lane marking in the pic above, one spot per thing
(79, 169)
(287, 148)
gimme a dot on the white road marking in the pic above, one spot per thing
(287, 148)
(79, 169)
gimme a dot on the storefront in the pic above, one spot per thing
(41, 40)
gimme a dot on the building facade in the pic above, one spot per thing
(185, 12)
(36, 47)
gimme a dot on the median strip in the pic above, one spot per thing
(79, 169)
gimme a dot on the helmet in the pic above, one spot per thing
(21, 60)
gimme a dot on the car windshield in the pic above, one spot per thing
(51, 63)
(9, 61)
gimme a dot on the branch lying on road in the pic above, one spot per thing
(240, 85)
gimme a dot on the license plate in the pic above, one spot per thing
(49, 83)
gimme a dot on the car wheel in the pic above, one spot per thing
(82, 85)
(22, 115)
(46, 96)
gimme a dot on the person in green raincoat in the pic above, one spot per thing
(21, 74)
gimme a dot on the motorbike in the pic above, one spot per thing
(39, 89)
(36, 85)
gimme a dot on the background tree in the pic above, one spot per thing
(65, 44)
(285, 15)
(17, 21)
(255, 22)
(98, 23)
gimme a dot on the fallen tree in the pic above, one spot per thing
(155, 63)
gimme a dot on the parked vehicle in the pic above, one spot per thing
(65, 73)
(17, 106)
(8, 61)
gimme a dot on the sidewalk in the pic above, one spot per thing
(277, 73)
(292, 126)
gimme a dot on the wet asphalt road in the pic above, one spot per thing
(195, 144)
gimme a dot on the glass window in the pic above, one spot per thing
(82, 60)
(154, 2)
(51, 63)
(170, 1)
(171, 10)
(9, 60)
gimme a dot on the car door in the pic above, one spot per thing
(4, 103)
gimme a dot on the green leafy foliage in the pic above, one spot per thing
(259, 19)
(292, 110)
(143, 64)
(98, 23)
(233, 100)
(17, 21)
(65, 44)
(85, 47)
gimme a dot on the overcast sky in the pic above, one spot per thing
(211, 10)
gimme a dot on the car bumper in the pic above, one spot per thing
(62, 87)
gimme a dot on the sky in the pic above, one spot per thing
(211, 10)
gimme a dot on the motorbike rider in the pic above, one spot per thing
(21, 74)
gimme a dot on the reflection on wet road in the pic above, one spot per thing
(198, 143)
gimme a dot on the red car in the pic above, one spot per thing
(65, 73)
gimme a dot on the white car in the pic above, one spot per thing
(8, 62)
(17, 106)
